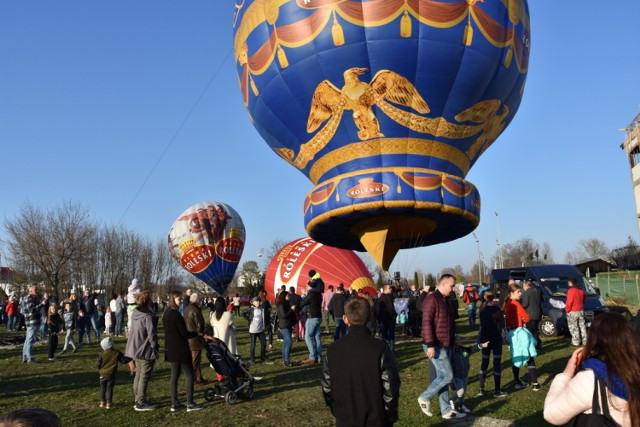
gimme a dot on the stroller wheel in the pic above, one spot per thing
(249, 392)
(209, 394)
(231, 397)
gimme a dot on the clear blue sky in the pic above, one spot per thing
(93, 93)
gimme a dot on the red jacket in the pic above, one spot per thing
(515, 314)
(470, 295)
(575, 299)
(437, 321)
(12, 308)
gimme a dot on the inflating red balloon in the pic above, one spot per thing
(291, 265)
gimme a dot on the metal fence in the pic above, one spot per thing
(615, 286)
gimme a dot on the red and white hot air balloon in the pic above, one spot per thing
(291, 266)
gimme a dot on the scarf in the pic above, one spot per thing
(601, 372)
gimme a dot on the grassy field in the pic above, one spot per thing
(283, 397)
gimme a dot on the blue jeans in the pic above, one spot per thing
(94, 325)
(341, 328)
(43, 326)
(11, 322)
(119, 318)
(471, 310)
(287, 343)
(441, 362)
(312, 338)
(28, 341)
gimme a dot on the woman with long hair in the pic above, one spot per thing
(515, 317)
(286, 321)
(223, 324)
(611, 355)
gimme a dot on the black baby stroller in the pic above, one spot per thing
(237, 379)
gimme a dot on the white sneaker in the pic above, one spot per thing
(453, 414)
(425, 406)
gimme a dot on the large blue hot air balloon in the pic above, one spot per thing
(384, 105)
(207, 240)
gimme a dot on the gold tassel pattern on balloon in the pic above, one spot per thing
(405, 25)
(336, 31)
(282, 57)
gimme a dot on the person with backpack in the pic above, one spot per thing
(470, 297)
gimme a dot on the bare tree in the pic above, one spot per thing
(478, 269)
(456, 271)
(368, 262)
(594, 248)
(525, 251)
(275, 247)
(627, 257)
(50, 241)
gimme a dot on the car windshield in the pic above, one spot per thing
(557, 286)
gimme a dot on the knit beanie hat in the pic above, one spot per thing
(106, 343)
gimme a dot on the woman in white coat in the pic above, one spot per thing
(611, 356)
(223, 324)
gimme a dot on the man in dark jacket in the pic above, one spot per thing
(438, 341)
(386, 315)
(295, 300)
(91, 313)
(531, 301)
(336, 309)
(360, 380)
(313, 302)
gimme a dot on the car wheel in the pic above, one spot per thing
(548, 328)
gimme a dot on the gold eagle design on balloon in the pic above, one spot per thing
(360, 97)
(329, 103)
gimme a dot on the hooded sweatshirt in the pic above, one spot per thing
(143, 335)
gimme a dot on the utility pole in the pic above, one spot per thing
(475, 236)
(500, 259)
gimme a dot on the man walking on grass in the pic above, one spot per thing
(438, 341)
(32, 322)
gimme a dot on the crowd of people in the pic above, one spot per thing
(362, 351)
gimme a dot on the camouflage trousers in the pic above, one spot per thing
(577, 327)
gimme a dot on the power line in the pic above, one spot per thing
(175, 135)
